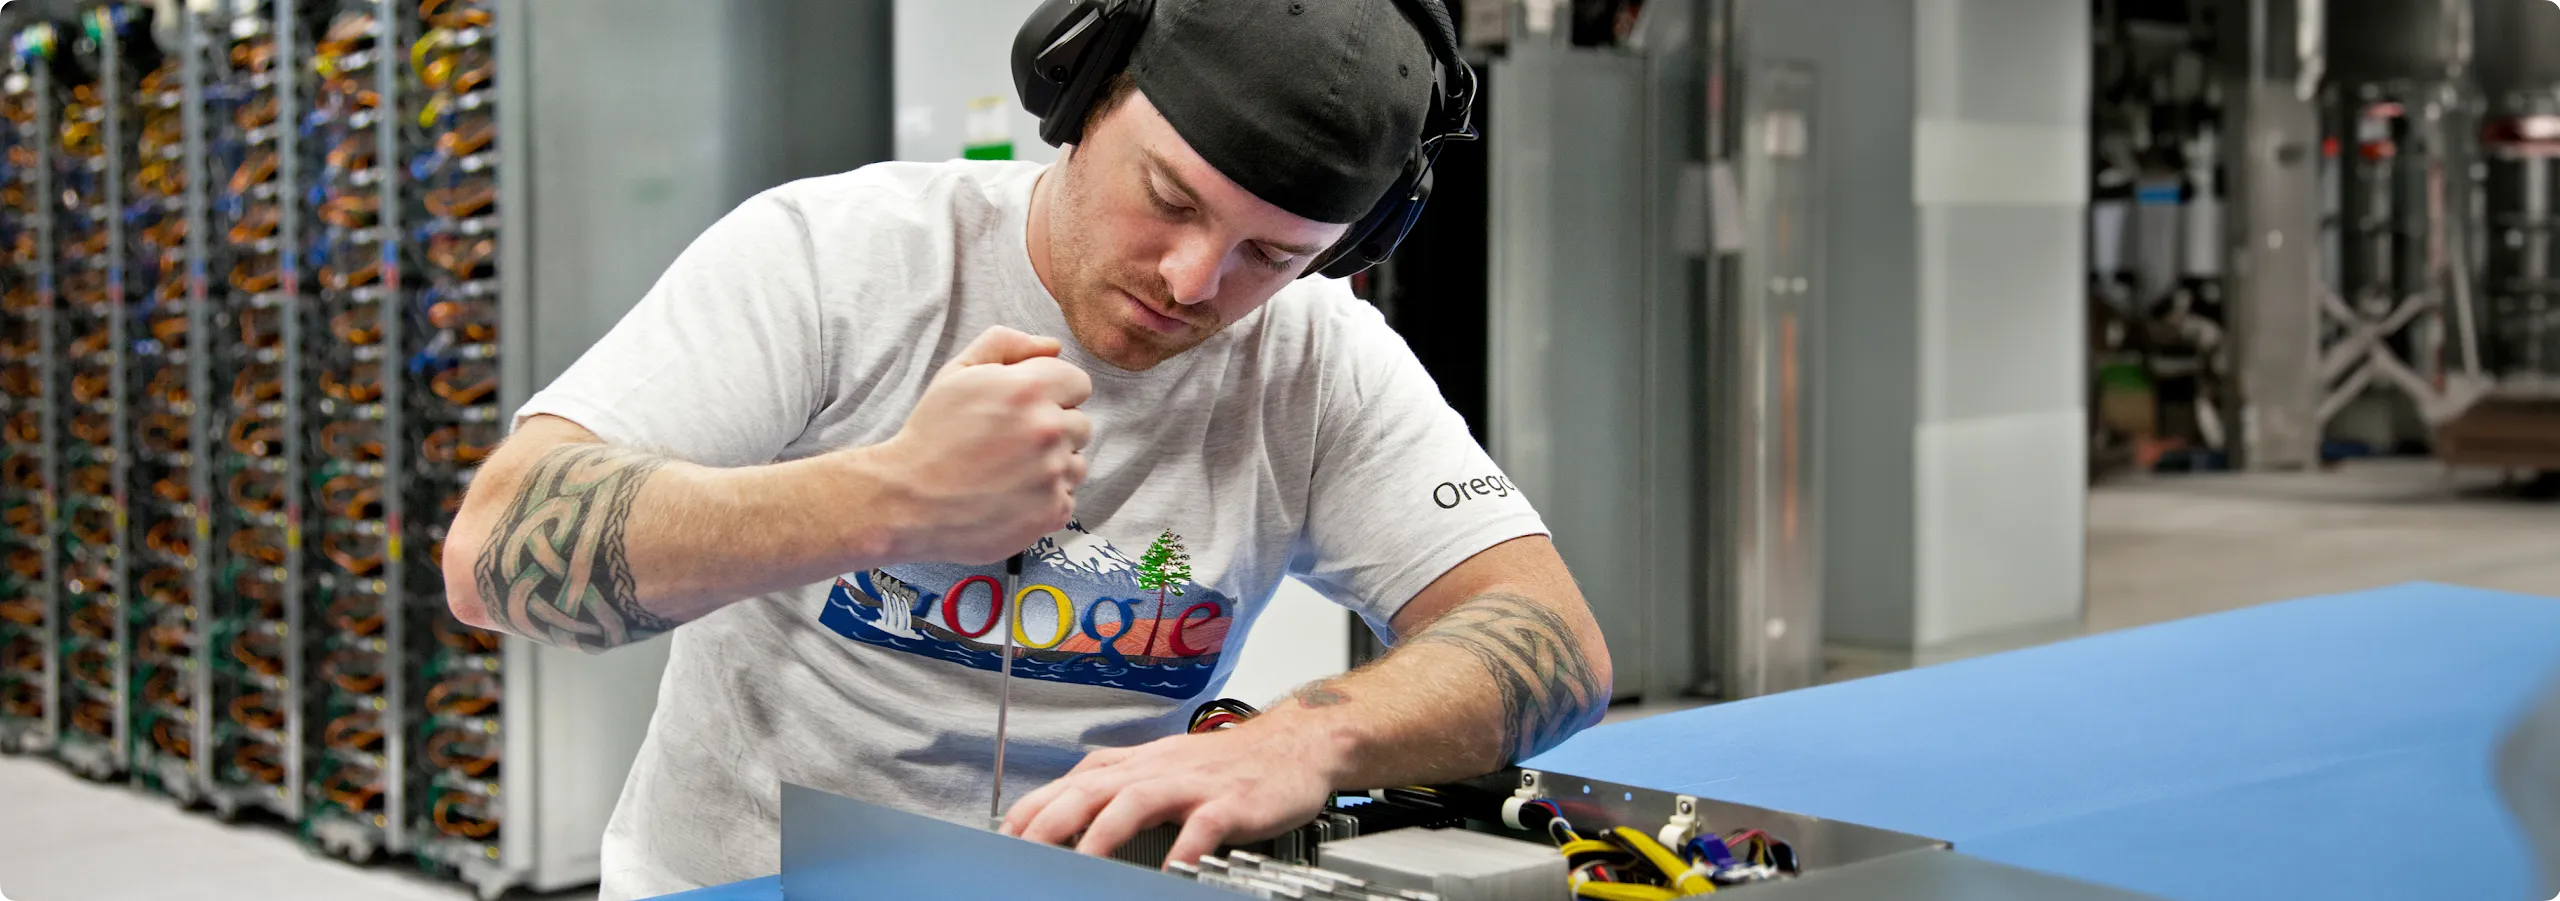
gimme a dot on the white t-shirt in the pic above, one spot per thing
(1304, 440)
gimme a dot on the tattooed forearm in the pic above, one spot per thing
(1323, 693)
(555, 569)
(1548, 687)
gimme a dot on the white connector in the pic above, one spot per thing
(1684, 825)
(1520, 797)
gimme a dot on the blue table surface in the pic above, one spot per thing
(2332, 748)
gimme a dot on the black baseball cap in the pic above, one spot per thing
(1312, 105)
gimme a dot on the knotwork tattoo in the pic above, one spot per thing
(556, 570)
(1547, 685)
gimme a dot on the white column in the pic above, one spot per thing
(2000, 149)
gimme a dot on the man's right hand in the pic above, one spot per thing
(989, 460)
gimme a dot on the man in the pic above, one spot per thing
(811, 445)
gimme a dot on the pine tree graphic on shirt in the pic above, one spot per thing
(1166, 565)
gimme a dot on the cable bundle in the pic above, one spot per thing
(1223, 713)
(462, 746)
(1625, 864)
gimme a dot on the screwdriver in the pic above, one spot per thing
(1004, 693)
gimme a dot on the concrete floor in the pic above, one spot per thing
(2159, 549)
(2167, 548)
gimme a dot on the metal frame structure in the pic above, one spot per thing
(516, 846)
(192, 46)
(120, 412)
(295, 410)
(1772, 622)
(2400, 265)
(47, 239)
(2273, 227)
(393, 308)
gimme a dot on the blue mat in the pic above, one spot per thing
(766, 889)
(2323, 748)
(2329, 748)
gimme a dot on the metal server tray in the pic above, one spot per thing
(835, 847)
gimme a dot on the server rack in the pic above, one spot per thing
(454, 176)
(360, 801)
(296, 299)
(253, 358)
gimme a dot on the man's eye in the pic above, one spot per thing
(1163, 205)
(1264, 256)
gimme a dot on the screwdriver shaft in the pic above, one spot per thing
(1004, 690)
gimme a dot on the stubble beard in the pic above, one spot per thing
(1088, 298)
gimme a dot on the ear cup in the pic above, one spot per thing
(1066, 52)
(1039, 90)
(1374, 238)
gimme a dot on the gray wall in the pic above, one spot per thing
(1568, 300)
(950, 52)
(623, 174)
(611, 172)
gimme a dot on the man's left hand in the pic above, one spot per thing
(1242, 784)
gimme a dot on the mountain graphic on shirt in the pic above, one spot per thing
(1081, 553)
(1084, 615)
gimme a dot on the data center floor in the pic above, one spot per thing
(64, 838)
(2159, 549)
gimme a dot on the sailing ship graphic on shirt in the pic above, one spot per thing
(1082, 612)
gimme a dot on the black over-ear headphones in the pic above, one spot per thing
(1069, 50)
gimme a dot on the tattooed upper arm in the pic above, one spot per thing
(1548, 687)
(554, 568)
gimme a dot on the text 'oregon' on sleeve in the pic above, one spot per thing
(1401, 493)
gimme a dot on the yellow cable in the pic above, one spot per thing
(1623, 891)
(435, 37)
(1586, 845)
(1690, 880)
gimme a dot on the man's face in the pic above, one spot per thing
(1152, 251)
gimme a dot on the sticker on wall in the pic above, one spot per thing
(989, 138)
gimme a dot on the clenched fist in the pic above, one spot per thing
(990, 458)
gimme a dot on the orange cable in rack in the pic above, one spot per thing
(257, 710)
(451, 821)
